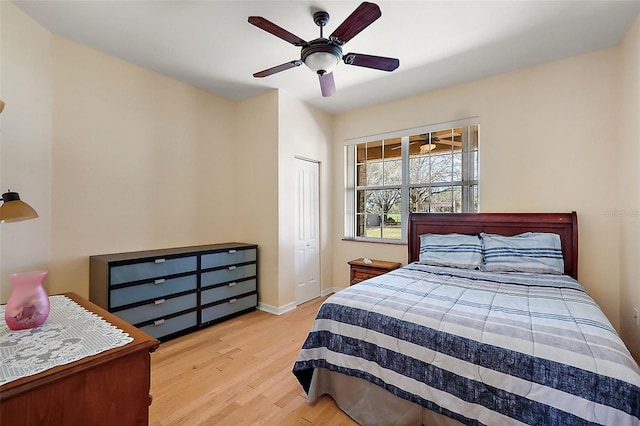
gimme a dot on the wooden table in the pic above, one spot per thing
(109, 388)
(361, 270)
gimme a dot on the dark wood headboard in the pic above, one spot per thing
(563, 224)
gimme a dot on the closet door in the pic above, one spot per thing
(307, 232)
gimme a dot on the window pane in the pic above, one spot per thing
(475, 166)
(419, 200)
(441, 200)
(374, 173)
(457, 199)
(361, 174)
(474, 191)
(457, 166)
(441, 168)
(379, 213)
(419, 169)
(393, 172)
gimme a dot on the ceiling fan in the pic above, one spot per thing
(428, 141)
(323, 54)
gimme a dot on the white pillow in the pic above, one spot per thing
(454, 250)
(535, 252)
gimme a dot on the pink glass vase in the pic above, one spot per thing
(28, 305)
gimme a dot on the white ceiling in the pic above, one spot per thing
(210, 44)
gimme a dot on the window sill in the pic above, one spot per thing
(392, 242)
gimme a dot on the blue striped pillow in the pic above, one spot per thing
(535, 252)
(454, 250)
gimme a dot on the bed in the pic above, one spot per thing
(435, 343)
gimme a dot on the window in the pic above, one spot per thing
(433, 169)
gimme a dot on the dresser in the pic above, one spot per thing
(94, 390)
(362, 270)
(170, 292)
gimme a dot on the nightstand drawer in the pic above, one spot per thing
(361, 270)
(361, 275)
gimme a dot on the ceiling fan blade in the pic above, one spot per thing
(369, 61)
(327, 84)
(400, 146)
(359, 19)
(278, 68)
(277, 31)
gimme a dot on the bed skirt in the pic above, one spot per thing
(369, 404)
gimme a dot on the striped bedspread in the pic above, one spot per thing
(483, 348)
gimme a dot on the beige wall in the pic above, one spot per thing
(137, 162)
(25, 145)
(629, 187)
(256, 172)
(304, 132)
(548, 143)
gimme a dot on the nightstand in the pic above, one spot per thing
(361, 271)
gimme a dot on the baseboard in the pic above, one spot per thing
(328, 291)
(276, 310)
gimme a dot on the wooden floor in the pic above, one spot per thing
(238, 372)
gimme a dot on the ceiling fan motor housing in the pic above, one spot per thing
(321, 55)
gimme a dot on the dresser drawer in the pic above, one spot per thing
(159, 308)
(156, 268)
(229, 257)
(163, 327)
(226, 291)
(230, 307)
(151, 291)
(232, 273)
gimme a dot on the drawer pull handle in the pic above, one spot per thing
(159, 260)
(159, 302)
(233, 300)
(158, 322)
(231, 251)
(159, 281)
(231, 268)
(232, 284)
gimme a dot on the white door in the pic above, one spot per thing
(307, 223)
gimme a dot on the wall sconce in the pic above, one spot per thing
(14, 209)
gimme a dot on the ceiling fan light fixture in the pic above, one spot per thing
(321, 62)
(427, 148)
(321, 56)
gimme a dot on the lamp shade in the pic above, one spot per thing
(13, 209)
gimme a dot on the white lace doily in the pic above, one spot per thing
(70, 333)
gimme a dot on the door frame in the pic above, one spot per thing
(319, 170)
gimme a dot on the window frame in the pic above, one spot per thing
(350, 170)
